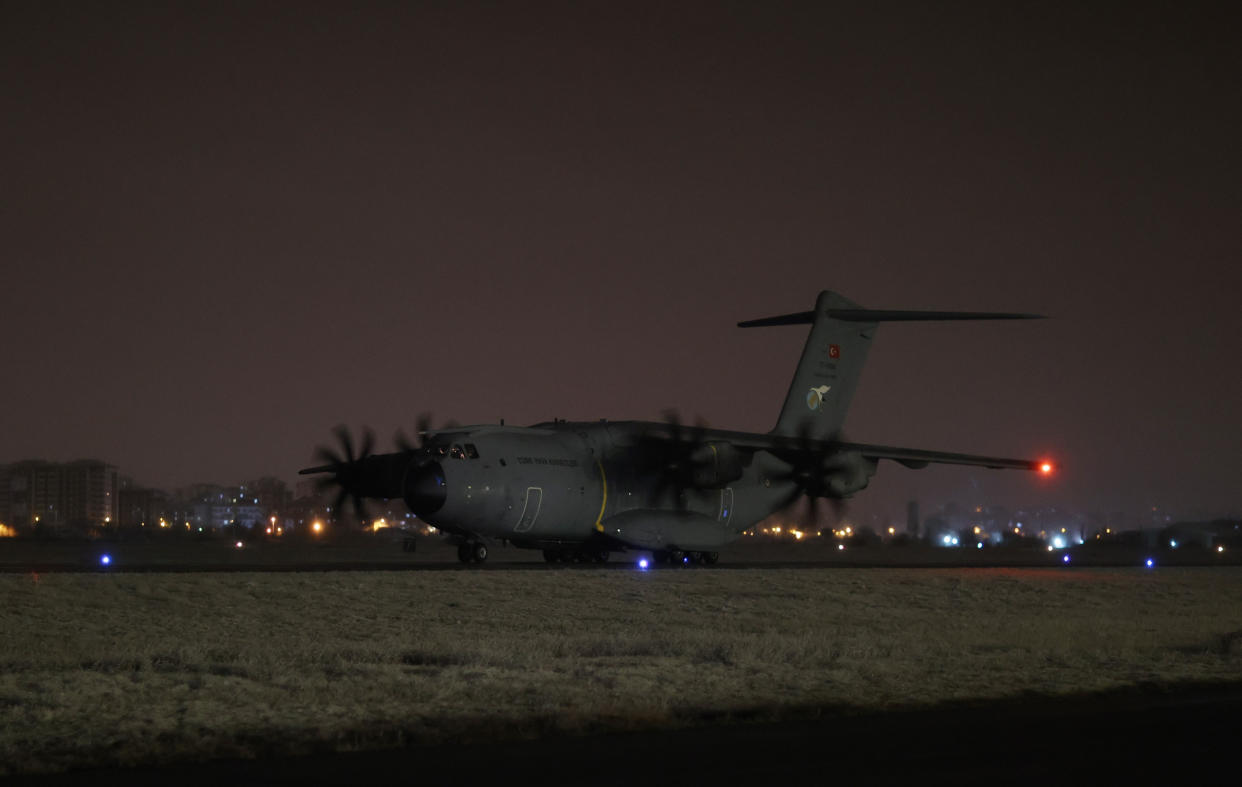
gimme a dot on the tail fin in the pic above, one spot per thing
(833, 358)
(828, 372)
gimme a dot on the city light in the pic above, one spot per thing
(7, 532)
(1220, 549)
(1173, 543)
(238, 545)
(317, 526)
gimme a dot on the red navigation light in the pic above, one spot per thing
(1045, 468)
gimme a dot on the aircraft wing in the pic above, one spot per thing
(910, 457)
(916, 458)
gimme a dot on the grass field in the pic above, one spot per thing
(100, 669)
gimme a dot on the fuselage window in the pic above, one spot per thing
(456, 452)
(471, 451)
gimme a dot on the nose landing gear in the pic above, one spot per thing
(472, 552)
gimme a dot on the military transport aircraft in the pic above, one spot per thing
(580, 490)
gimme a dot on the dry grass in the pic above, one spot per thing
(139, 668)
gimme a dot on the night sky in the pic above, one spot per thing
(226, 228)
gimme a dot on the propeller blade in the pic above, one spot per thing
(343, 436)
(403, 443)
(360, 509)
(327, 456)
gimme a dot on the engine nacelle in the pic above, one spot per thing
(715, 464)
(849, 473)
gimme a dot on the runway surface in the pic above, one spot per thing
(435, 555)
(1145, 735)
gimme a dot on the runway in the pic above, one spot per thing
(436, 555)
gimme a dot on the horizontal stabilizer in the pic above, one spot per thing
(800, 318)
(883, 315)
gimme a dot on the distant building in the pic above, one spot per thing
(141, 507)
(272, 493)
(214, 507)
(80, 495)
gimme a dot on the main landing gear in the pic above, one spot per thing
(472, 552)
(676, 557)
(575, 555)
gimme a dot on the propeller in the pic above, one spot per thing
(810, 462)
(421, 428)
(673, 454)
(348, 470)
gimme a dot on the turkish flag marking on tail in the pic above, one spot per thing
(834, 351)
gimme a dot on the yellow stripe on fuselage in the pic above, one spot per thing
(603, 477)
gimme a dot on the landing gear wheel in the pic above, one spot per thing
(710, 558)
(600, 556)
(551, 556)
(478, 552)
(676, 557)
(660, 557)
(463, 553)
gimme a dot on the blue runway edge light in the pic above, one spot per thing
(1149, 563)
(1065, 559)
(105, 560)
(643, 564)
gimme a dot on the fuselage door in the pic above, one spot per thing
(530, 512)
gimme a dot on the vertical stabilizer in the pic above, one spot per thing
(828, 371)
(833, 358)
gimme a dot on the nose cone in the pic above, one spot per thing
(425, 490)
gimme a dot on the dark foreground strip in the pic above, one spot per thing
(1153, 734)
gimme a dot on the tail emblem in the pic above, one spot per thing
(815, 397)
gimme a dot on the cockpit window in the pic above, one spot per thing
(471, 451)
